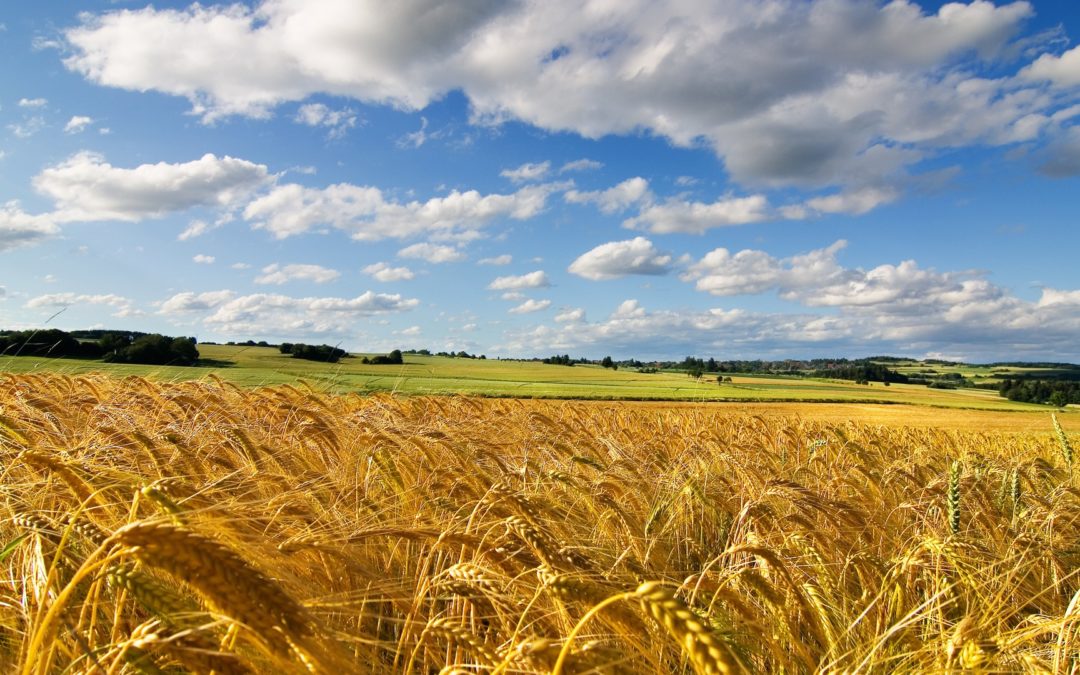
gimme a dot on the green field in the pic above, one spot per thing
(258, 366)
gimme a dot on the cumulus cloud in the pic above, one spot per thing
(530, 306)
(887, 291)
(618, 198)
(432, 253)
(583, 164)
(284, 316)
(383, 272)
(855, 202)
(260, 312)
(87, 188)
(202, 259)
(367, 214)
(18, 228)
(77, 124)
(195, 302)
(1053, 296)
(498, 261)
(123, 306)
(281, 274)
(750, 272)
(815, 93)
(698, 217)
(33, 102)
(537, 279)
(320, 115)
(620, 258)
(1063, 70)
(570, 315)
(527, 172)
(972, 318)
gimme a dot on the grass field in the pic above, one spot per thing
(260, 366)
(200, 526)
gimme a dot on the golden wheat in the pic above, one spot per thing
(198, 526)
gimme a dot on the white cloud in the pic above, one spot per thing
(411, 331)
(414, 139)
(18, 228)
(1063, 70)
(816, 279)
(537, 279)
(195, 302)
(33, 102)
(527, 173)
(499, 260)
(698, 217)
(570, 316)
(618, 198)
(87, 188)
(27, 127)
(686, 181)
(366, 214)
(266, 314)
(750, 272)
(385, 273)
(77, 124)
(196, 228)
(1053, 296)
(320, 115)
(856, 201)
(583, 164)
(786, 93)
(628, 309)
(619, 258)
(240, 266)
(512, 296)
(433, 253)
(280, 274)
(971, 318)
(204, 259)
(122, 305)
(530, 306)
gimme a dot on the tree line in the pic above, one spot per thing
(1056, 393)
(109, 346)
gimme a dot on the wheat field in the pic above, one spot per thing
(201, 527)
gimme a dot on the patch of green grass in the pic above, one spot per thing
(260, 366)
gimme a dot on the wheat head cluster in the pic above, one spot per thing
(200, 527)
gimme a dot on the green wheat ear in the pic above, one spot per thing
(1066, 449)
(954, 497)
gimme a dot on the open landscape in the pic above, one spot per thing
(449, 337)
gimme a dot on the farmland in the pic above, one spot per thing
(199, 525)
(260, 366)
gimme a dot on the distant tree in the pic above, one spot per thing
(285, 348)
(607, 362)
(324, 353)
(394, 358)
(157, 349)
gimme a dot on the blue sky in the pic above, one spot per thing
(792, 178)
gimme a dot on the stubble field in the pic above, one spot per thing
(200, 526)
